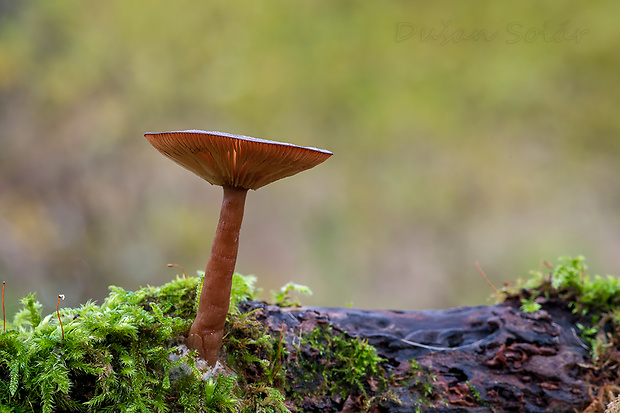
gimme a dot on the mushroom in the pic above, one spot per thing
(236, 163)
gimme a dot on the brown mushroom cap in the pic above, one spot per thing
(235, 160)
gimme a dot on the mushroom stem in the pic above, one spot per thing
(206, 332)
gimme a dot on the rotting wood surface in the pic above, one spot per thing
(516, 362)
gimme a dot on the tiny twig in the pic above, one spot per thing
(177, 265)
(62, 330)
(413, 343)
(486, 278)
(579, 340)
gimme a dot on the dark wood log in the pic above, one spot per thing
(485, 358)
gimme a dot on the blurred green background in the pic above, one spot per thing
(461, 132)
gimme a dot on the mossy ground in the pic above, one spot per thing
(123, 355)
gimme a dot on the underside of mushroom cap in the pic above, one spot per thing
(235, 160)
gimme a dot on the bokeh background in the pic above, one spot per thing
(461, 132)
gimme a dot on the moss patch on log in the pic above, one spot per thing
(595, 303)
(124, 355)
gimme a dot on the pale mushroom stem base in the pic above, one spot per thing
(206, 332)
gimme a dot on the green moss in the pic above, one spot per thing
(120, 356)
(475, 394)
(569, 281)
(282, 298)
(328, 364)
(595, 300)
(421, 382)
(334, 363)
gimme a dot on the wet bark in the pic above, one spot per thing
(485, 358)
